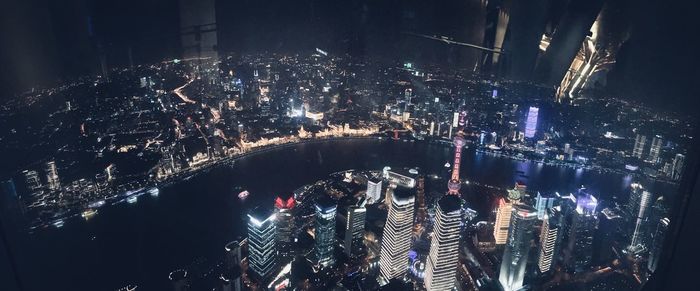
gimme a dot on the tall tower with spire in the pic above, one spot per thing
(454, 184)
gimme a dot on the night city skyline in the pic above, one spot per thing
(359, 145)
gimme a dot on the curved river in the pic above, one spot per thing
(192, 220)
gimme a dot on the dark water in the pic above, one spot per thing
(141, 243)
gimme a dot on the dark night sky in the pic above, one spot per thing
(42, 41)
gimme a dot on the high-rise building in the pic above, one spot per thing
(581, 233)
(503, 215)
(639, 145)
(374, 190)
(608, 236)
(31, 180)
(444, 246)
(544, 202)
(233, 254)
(677, 168)
(422, 212)
(355, 229)
(262, 243)
(284, 220)
(512, 271)
(655, 149)
(396, 240)
(325, 231)
(52, 181)
(657, 245)
(550, 238)
(639, 204)
(531, 123)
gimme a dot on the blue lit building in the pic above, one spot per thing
(325, 231)
(262, 243)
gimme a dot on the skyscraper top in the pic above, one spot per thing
(325, 204)
(403, 194)
(259, 215)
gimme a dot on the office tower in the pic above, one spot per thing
(543, 203)
(233, 254)
(503, 215)
(284, 220)
(639, 204)
(396, 240)
(639, 145)
(422, 212)
(655, 149)
(550, 238)
(325, 231)
(444, 245)
(531, 123)
(658, 243)
(512, 271)
(584, 223)
(262, 243)
(31, 180)
(355, 229)
(677, 168)
(608, 236)
(374, 190)
(52, 181)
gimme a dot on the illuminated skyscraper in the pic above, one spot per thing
(512, 271)
(325, 231)
(52, 181)
(503, 215)
(550, 238)
(677, 169)
(543, 203)
(396, 240)
(639, 204)
(262, 243)
(355, 229)
(583, 226)
(374, 190)
(444, 246)
(284, 220)
(531, 123)
(655, 149)
(657, 245)
(639, 145)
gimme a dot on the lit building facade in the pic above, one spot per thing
(325, 231)
(639, 144)
(550, 238)
(374, 190)
(396, 240)
(355, 229)
(583, 227)
(503, 215)
(531, 123)
(655, 149)
(512, 271)
(544, 202)
(52, 180)
(262, 243)
(444, 245)
(284, 205)
(657, 245)
(639, 206)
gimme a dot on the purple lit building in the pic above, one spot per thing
(531, 123)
